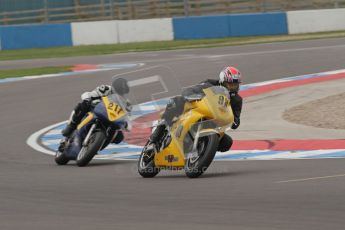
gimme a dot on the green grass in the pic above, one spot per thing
(7, 73)
(153, 46)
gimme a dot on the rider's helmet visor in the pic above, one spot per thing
(232, 86)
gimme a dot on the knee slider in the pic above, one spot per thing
(225, 143)
(118, 138)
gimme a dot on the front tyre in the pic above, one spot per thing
(197, 164)
(90, 150)
(146, 164)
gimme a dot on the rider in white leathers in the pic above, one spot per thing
(89, 99)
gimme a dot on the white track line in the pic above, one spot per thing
(311, 178)
(6, 80)
(54, 132)
(245, 53)
(277, 51)
(32, 141)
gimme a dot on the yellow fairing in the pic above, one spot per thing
(173, 154)
(86, 120)
(114, 111)
(214, 107)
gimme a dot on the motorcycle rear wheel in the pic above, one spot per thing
(207, 148)
(90, 150)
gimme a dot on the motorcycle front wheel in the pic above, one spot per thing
(146, 164)
(198, 163)
(90, 150)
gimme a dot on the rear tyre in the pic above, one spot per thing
(90, 150)
(206, 150)
(146, 164)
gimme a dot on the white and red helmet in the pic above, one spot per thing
(230, 74)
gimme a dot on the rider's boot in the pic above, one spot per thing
(69, 129)
(162, 125)
(157, 133)
(62, 144)
(72, 124)
(76, 116)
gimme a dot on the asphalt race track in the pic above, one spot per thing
(282, 194)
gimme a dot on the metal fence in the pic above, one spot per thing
(52, 11)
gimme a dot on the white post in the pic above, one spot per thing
(112, 9)
(186, 7)
(263, 5)
(46, 18)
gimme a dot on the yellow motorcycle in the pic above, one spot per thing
(192, 141)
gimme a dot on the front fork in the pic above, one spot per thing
(193, 155)
(86, 140)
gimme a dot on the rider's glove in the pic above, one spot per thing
(128, 126)
(236, 123)
(129, 106)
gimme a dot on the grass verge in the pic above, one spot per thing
(154, 46)
(8, 73)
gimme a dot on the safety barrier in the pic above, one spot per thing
(145, 30)
(309, 21)
(230, 25)
(112, 32)
(200, 27)
(35, 36)
(258, 24)
(195, 27)
(95, 33)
